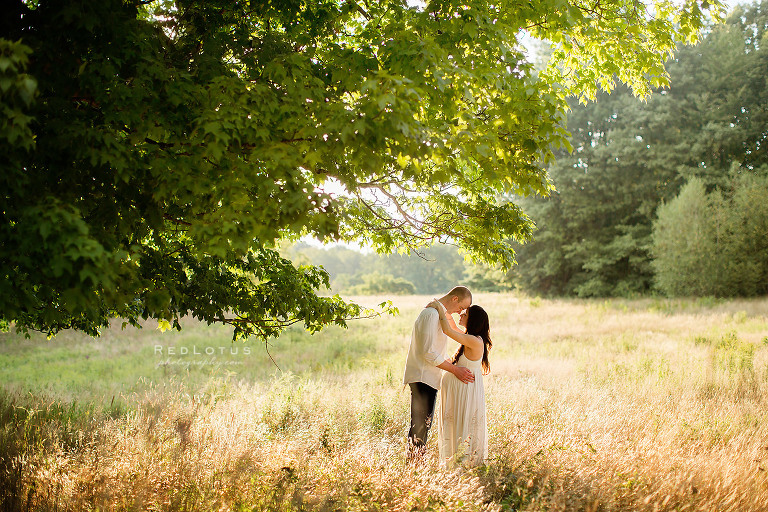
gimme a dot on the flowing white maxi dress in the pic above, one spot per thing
(463, 429)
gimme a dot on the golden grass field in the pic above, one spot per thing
(619, 405)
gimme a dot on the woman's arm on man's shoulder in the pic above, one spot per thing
(450, 329)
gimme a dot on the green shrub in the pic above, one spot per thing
(714, 243)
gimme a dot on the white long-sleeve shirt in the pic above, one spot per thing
(427, 350)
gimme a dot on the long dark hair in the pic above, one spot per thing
(478, 325)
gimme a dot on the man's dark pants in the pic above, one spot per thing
(422, 408)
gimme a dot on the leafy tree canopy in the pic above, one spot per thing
(156, 152)
(714, 243)
(594, 236)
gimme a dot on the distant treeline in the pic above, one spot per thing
(434, 270)
(670, 195)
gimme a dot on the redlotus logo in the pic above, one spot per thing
(194, 350)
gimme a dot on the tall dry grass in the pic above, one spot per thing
(614, 406)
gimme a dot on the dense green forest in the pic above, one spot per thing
(663, 196)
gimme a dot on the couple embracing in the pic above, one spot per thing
(461, 423)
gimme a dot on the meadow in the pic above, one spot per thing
(619, 405)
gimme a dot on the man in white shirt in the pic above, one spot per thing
(426, 359)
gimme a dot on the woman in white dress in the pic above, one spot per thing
(463, 429)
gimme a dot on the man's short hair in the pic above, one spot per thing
(461, 292)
